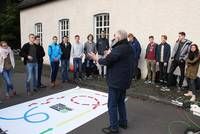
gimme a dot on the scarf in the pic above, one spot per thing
(4, 52)
(192, 55)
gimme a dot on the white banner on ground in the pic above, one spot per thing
(55, 114)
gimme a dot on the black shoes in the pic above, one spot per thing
(123, 126)
(109, 130)
(35, 90)
(42, 86)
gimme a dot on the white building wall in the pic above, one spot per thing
(141, 17)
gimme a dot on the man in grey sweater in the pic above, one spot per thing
(77, 53)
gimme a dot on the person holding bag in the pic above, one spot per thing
(7, 63)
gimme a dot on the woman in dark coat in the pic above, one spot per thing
(192, 70)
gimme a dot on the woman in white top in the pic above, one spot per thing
(7, 63)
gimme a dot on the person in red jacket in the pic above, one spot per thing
(151, 60)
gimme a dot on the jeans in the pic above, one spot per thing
(7, 76)
(40, 67)
(54, 70)
(89, 67)
(163, 72)
(116, 106)
(151, 67)
(32, 74)
(102, 69)
(77, 67)
(65, 69)
(192, 85)
(173, 67)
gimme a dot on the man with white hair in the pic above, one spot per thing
(119, 62)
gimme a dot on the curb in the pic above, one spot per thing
(134, 95)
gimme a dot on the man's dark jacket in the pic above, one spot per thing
(119, 65)
(25, 52)
(66, 51)
(102, 45)
(136, 48)
(166, 53)
(41, 54)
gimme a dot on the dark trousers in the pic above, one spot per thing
(77, 67)
(163, 72)
(40, 67)
(116, 106)
(192, 85)
(135, 69)
(173, 67)
(54, 70)
(89, 67)
(65, 69)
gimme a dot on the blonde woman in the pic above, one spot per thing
(7, 63)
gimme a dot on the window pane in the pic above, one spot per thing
(38, 31)
(102, 23)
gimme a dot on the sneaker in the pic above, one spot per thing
(167, 89)
(123, 126)
(35, 90)
(28, 93)
(188, 94)
(193, 98)
(43, 86)
(157, 86)
(149, 82)
(146, 82)
(178, 89)
(153, 83)
(109, 130)
(53, 84)
(14, 93)
(7, 96)
(162, 89)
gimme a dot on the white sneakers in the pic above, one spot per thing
(165, 89)
(190, 94)
(193, 98)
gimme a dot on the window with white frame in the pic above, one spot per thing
(102, 23)
(38, 31)
(63, 28)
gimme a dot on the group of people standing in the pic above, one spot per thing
(120, 60)
(33, 53)
(64, 51)
(185, 55)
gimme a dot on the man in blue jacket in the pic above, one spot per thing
(54, 52)
(162, 57)
(136, 51)
(119, 62)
